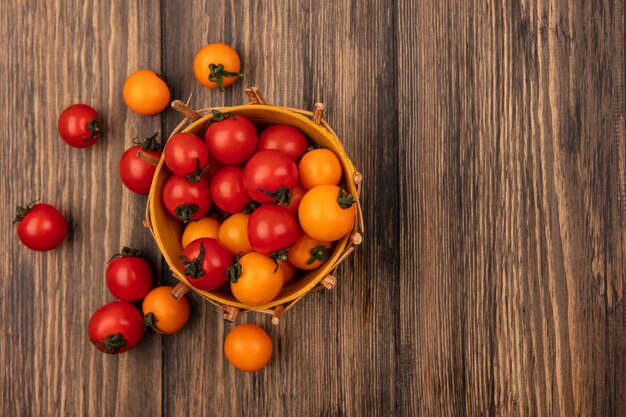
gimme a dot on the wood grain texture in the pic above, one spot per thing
(491, 138)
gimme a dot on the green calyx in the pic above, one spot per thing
(20, 211)
(280, 196)
(234, 271)
(217, 73)
(95, 130)
(250, 207)
(318, 253)
(149, 144)
(127, 253)
(193, 268)
(197, 174)
(113, 343)
(149, 323)
(218, 116)
(185, 211)
(345, 200)
(280, 255)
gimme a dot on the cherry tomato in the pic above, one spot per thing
(297, 193)
(233, 234)
(204, 262)
(80, 126)
(163, 313)
(146, 93)
(186, 153)
(231, 138)
(288, 270)
(227, 190)
(248, 347)
(269, 175)
(116, 327)
(327, 213)
(205, 227)
(41, 226)
(318, 167)
(137, 174)
(128, 275)
(217, 65)
(255, 279)
(286, 139)
(272, 229)
(186, 200)
(308, 253)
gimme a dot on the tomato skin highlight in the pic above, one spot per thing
(231, 141)
(178, 192)
(129, 278)
(183, 153)
(42, 227)
(79, 126)
(283, 138)
(112, 319)
(135, 173)
(146, 93)
(168, 314)
(271, 229)
(269, 170)
(248, 347)
(212, 259)
(228, 191)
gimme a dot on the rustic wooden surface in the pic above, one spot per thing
(491, 278)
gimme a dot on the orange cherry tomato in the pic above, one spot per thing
(217, 65)
(297, 193)
(318, 167)
(233, 234)
(248, 347)
(288, 270)
(327, 213)
(255, 279)
(163, 313)
(145, 93)
(308, 253)
(205, 227)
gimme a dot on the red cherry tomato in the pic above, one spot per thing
(116, 327)
(41, 226)
(231, 139)
(297, 193)
(272, 229)
(286, 139)
(128, 276)
(227, 190)
(186, 200)
(136, 174)
(268, 174)
(204, 262)
(80, 126)
(186, 153)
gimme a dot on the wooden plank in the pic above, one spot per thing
(514, 267)
(56, 54)
(335, 351)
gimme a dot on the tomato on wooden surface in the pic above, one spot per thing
(137, 174)
(163, 313)
(217, 65)
(283, 138)
(231, 139)
(80, 126)
(116, 327)
(319, 167)
(327, 213)
(186, 200)
(255, 279)
(146, 93)
(41, 226)
(205, 227)
(186, 153)
(272, 229)
(308, 253)
(128, 275)
(204, 262)
(228, 191)
(269, 176)
(248, 347)
(233, 234)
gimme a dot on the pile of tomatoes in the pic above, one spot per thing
(258, 206)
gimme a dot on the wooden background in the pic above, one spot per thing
(491, 137)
